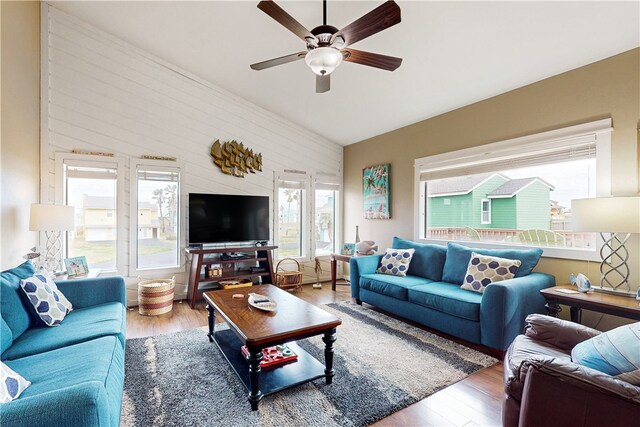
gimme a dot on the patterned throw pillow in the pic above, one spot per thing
(396, 262)
(11, 384)
(50, 304)
(483, 270)
(616, 353)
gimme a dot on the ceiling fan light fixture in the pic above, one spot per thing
(323, 60)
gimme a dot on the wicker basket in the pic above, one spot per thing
(155, 296)
(289, 279)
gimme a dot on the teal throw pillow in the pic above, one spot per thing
(428, 259)
(458, 256)
(50, 304)
(616, 353)
(11, 384)
(395, 262)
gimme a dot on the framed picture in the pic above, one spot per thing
(76, 266)
(375, 192)
(348, 249)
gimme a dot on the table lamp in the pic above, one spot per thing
(619, 217)
(53, 220)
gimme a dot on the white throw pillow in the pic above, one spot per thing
(396, 261)
(11, 384)
(50, 304)
(483, 270)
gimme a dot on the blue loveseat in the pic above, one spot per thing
(430, 293)
(76, 369)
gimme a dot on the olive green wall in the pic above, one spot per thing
(608, 88)
(20, 146)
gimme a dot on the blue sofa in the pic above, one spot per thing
(430, 293)
(76, 369)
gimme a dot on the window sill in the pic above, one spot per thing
(548, 252)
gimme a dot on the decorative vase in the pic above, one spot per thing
(357, 235)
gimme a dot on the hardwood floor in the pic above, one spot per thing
(474, 401)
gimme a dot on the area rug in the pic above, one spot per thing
(382, 365)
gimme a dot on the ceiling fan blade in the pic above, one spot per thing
(278, 61)
(382, 17)
(323, 83)
(389, 63)
(277, 13)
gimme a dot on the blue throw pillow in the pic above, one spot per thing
(11, 384)
(13, 304)
(458, 256)
(6, 336)
(427, 261)
(616, 353)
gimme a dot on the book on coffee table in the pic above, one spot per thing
(272, 356)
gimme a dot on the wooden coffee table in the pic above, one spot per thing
(295, 319)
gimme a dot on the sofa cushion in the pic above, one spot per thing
(6, 337)
(395, 262)
(458, 256)
(615, 352)
(97, 364)
(12, 384)
(428, 260)
(49, 303)
(14, 306)
(392, 286)
(484, 270)
(447, 298)
(80, 325)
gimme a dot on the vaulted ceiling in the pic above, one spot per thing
(455, 53)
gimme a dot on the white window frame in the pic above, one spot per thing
(117, 163)
(322, 182)
(158, 165)
(597, 132)
(482, 211)
(307, 218)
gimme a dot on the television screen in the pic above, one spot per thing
(217, 218)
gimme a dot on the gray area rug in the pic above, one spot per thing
(382, 365)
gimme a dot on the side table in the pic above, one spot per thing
(617, 305)
(334, 263)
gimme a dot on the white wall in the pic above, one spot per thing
(19, 151)
(102, 94)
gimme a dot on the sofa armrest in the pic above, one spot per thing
(90, 292)
(505, 305)
(563, 393)
(557, 332)
(81, 405)
(358, 266)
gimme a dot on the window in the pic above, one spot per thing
(156, 200)
(516, 192)
(93, 190)
(486, 211)
(325, 227)
(291, 194)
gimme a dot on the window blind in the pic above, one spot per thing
(155, 175)
(495, 162)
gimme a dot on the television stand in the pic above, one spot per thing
(261, 258)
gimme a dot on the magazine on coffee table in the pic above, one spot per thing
(272, 356)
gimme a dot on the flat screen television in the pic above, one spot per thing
(224, 218)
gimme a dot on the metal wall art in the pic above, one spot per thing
(233, 158)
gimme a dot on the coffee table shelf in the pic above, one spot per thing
(272, 379)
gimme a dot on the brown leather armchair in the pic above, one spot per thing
(544, 388)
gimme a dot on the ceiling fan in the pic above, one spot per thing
(327, 46)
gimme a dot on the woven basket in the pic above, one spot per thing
(289, 279)
(155, 296)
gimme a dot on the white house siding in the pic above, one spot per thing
(100, 93)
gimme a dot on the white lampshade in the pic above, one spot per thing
(51, 218)
(323, 60)
(606, 214)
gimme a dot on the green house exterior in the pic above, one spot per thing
(513, 204)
